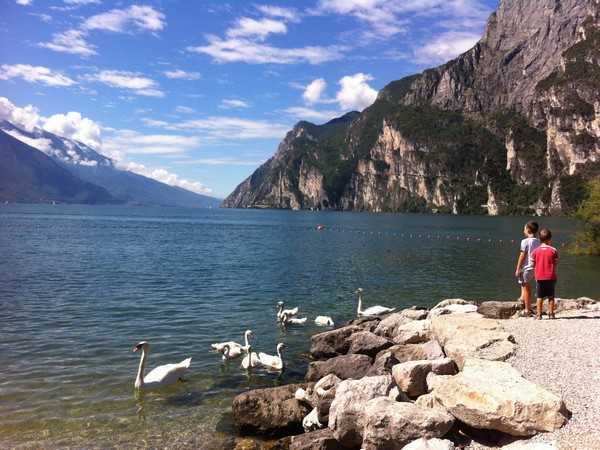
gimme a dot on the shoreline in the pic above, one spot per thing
(395, 368)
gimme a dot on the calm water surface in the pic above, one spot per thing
(79, 286)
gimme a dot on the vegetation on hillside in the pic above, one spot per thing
(588, 240)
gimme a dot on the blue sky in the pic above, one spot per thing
(199, 93)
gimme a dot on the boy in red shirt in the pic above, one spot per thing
(545, 259)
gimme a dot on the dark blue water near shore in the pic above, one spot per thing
(80, 285)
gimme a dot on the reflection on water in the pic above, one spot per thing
(81, 285)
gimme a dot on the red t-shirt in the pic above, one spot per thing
(545, 258)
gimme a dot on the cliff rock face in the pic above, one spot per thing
(510, 126)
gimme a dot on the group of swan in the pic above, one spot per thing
(171, 373)
(287, 317)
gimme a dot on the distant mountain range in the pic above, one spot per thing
(511, 126)
(41, 167)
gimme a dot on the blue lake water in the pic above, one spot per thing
(79, 286)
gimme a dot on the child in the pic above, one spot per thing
(524, 270)
(545, 258)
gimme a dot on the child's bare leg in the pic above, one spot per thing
(526, 296)
(551, 307)
(540, 302)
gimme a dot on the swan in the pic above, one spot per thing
(250, 361)
(229, 354)
(371, 311)
(272, 362)
(280, 311)
(286, 320)
(324, 321)
(159, 376)
(235, 349)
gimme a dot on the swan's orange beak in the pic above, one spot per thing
(135, 349)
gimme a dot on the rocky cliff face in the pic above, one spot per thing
(511, 126)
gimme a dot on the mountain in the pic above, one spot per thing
(509, 127)
(28, 175)
(87, 164)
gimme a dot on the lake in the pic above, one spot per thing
(81, 285)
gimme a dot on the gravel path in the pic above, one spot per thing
(563, 356)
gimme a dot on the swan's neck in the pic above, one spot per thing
(139, 379)
(246, 339)
(359, 309)
(280, 356)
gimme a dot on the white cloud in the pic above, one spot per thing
(27, 117)
(248, 51)
(259, 29)
(226, 128)
(303, 113)
(74, 126)
(355, 93)
(232, 103)
(133, 143)
(138, 17)
(70, 41)
(446, 46)
(81, 2)
(134, 82)
(24, 2)
(289, 14)
(42, 144)
(314, 91)
(221, 162)
(34, 74)
(47, 18)
(185, 110)
(182, 75)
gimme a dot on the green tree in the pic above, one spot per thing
(588, 241)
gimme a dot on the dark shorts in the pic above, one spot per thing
(545, 288)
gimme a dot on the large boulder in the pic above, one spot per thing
(498, 310)
(568, 304)
(414, 332)
(347, 407)
(316, 440)
(270, 411)
(344, 367)
(368, 323)
(472, 336)
(430, 444)
(388, 326)
(493, 395)
(451, 301)
(452, 309)
(332, 343)
(367, 343)
(388, 358)
(415, 313)
(387, 424)
(411, 376)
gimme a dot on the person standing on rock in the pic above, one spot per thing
(524, 271)
(545, 259)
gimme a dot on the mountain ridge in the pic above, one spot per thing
(509, 126)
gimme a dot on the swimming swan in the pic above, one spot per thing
(280, 311)
(373, 310)
(159, 376)
(286, 320)
(250, 361)
(324, 321)
(272, 362)
(235, 349)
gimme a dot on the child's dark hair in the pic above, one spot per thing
(532, 227)
(545, 235)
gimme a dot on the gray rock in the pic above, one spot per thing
(414, 332)
(368, 323)
(344, 367)
(367, 343)
(347, 407)
(498, 310)
(433, 380)
(390, 425)
(270, 410)
(493, 395)
(415, 313)
(411, 376)
(416, 352)
(387, 327)
(316, 440)
(324, 393)
(332, 343)
(430, 444)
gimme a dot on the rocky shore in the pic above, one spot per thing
(444, 378)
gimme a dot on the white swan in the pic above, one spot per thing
(250, 361)
(324, 321)
(229, 354)
(272, 362)
(286, 320)
(235, 349)
(280, 311)
(159, 376)
(371, 311)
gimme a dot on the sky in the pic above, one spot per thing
(199, 93)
